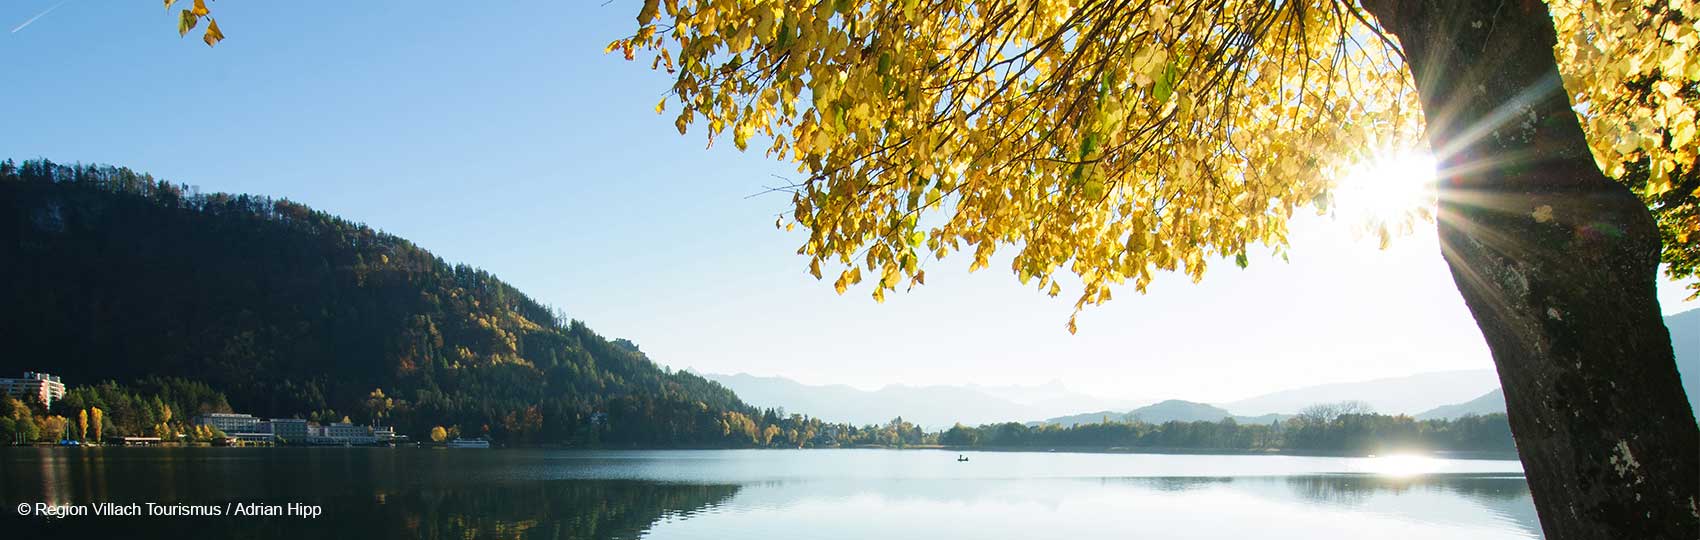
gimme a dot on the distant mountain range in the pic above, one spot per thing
(1395, 395)
(1491, 402)
(941, 406)
(1685, 342)
(933, 407)
(1053, 398)
(1173, 410)
(1408, 395)
(1445, 394)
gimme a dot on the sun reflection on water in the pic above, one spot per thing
(1401, 465)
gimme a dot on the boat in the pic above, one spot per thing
(469, 443)
(961, 458)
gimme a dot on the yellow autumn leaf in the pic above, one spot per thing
(649, 11)
(213, 35)
(185, 22)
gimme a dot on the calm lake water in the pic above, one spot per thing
(802, 494)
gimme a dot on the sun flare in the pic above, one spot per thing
(1401, 465)
(1389, 193)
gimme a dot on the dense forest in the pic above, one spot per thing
(109, 274)
(153, 406)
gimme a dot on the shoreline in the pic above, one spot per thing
(1445, 454)
(1440, 454)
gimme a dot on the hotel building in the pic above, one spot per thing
(34, 387)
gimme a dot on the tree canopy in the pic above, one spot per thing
(1116, 138)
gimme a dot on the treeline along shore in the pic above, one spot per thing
(1350, 433)
(93, 413)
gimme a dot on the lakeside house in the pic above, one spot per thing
(249, 428)
(289, 429)
(34, 386)
(230, 422)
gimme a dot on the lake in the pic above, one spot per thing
(718, 494)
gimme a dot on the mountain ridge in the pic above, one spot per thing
(1489, 403)
(932, 406)
(1169, 410)
(291, 311)
(1685, 344)
(1407, 394)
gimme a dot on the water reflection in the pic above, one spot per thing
(1354, 490)
(376, 493)
(1444, 499)
(586, 510)
(1489, 500)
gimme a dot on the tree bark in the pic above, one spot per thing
(1558, 264)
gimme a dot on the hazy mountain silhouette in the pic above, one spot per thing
(1685, 341)
(933, 407)
(1394, 395)
(1173, 410)
(1491, 402)
(1445, 394)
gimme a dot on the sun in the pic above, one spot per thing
(1400, 465)
(1388, 193)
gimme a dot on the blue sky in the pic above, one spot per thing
(499, 135)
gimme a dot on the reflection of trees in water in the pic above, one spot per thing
(1182, 483)
(1506, 498)
(373, 493)
(1354, 489)
(1350, 490)
(576, 510)
(570, 509)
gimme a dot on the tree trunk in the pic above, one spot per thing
(1557, 263)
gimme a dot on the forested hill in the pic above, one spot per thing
(109, 274)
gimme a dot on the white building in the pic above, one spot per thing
(295, 430)
(341, 433)
(34, 387)
(230, 422)
(290, 429)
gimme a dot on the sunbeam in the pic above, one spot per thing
(1387, 193)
